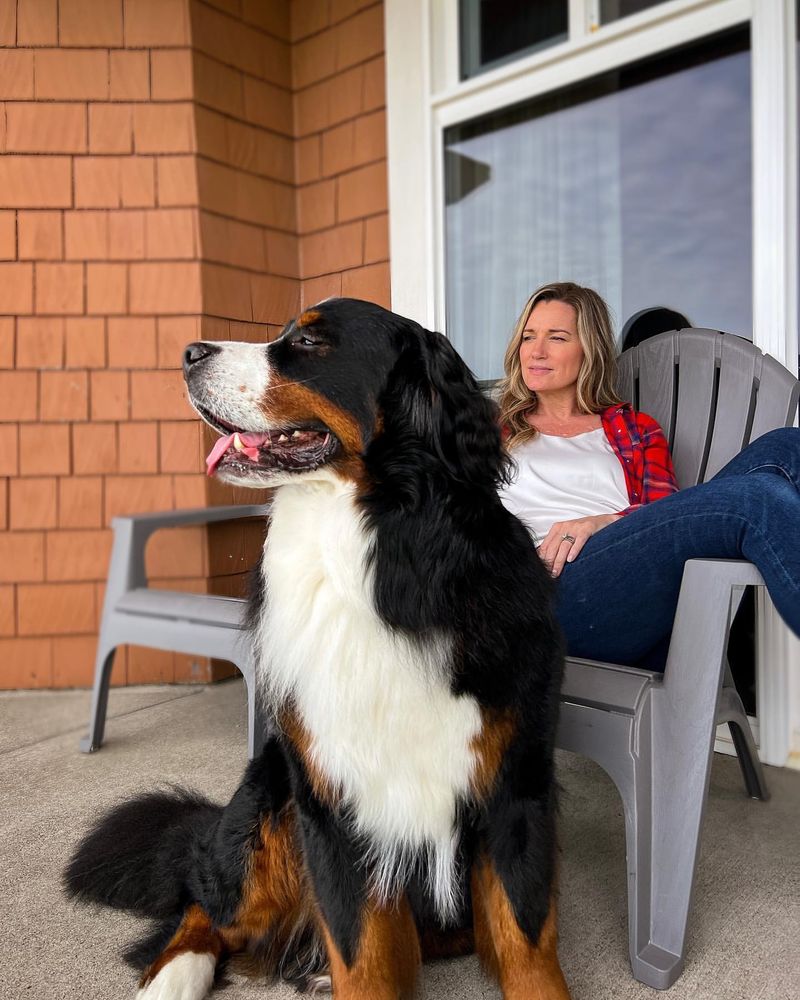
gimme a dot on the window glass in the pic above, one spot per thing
(637, 183)
(613, 10)
(495, 31)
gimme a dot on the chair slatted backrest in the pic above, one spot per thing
(712, 394)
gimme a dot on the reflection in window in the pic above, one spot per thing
(613, 10)
(494, 31)
(637, 183)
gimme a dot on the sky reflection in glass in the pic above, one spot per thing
(637, 183)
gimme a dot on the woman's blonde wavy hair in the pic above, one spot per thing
(595, 389)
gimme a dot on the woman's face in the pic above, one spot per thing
(550, 352)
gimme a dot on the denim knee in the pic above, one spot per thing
(762, 486)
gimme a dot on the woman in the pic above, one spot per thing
(595, 485)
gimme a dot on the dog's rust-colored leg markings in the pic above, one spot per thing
(196, 934)
(274, 899)
(525, 971)
(274, 890)
(387, 957)
(498, 729)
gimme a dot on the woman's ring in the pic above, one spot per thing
(568, 538)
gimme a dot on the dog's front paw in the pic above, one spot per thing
(189, 976)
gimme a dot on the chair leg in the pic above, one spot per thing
(259, 731)
(104, 661)
(683, 719)
(731, 710)
(663, 816)
(752, 771)
(657, 956)
(662, 826)
(257, 719)
(624, 747)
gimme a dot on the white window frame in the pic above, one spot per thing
(425, 96)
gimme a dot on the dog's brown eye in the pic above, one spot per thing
(307, 341)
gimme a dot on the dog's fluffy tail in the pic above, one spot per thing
(138, 857)
(162, 851)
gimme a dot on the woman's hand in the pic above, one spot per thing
(565, 539)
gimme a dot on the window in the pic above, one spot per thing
(493, 32)
(636, 182)
(612, 10)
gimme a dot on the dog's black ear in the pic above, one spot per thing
(448, 411)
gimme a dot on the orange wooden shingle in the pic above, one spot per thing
(37, 22)
(32, 503)
(90, 22)
(40, 235)
(44, 449)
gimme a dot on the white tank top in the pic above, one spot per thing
(560, 478)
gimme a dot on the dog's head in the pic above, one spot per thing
(344, 380)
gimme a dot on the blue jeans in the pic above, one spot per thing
(617, 601)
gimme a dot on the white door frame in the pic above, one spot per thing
(424, 96)
(775, 225)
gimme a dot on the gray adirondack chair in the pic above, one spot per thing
(652, 733)
(198, 624)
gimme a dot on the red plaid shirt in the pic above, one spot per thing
(643, 451)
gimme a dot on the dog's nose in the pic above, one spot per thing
(197, 352)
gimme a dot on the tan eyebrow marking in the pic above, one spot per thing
(307, 318)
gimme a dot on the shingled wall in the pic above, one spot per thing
(171, 170)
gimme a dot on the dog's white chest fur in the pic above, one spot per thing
(386, 730)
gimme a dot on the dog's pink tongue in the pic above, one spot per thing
(247, 444)
(217, 452)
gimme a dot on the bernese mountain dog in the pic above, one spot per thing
(404, 802)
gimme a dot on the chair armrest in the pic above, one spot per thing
(731, 571)
(143, 525)
(126, 571)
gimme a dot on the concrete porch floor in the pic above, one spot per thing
(744, 934)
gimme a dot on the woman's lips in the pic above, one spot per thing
(540, 371)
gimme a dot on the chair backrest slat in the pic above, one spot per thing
(656, 367)
(697, 398)
(626, 377)
(776, 400)
(740, 363)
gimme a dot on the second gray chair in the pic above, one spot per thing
(653, 733)
(198, 624)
